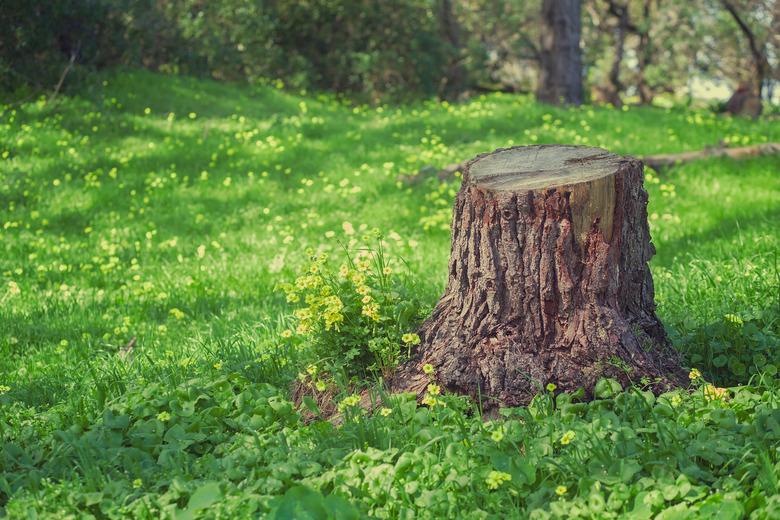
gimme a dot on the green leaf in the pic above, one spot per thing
(300, 503)
(719, 361)
(340, 508)
(311, 404)
(205, 496)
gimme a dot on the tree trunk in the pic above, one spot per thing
(617, 60)
(645, 55)
(757, 50)
(548, 281)
(454, 81)
(560, 60)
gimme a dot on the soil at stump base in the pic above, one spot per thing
(548, 281)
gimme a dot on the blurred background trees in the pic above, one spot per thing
(629, 50)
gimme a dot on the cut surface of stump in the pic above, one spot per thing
(548, 281)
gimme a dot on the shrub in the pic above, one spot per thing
(355, 319)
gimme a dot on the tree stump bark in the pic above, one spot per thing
(548, 281)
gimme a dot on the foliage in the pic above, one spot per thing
(379, 49)
(732, 349)
(374, 50)
(225, 446)
(356, 319)
(169, 209)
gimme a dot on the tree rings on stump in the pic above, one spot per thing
(548, 281)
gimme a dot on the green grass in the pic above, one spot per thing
(175, 226)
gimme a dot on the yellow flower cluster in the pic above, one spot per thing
(349, 402)
(567, 437)
(321, 303)
(432, 390)
(713, 393)
(410, 338)
(370, 310)
(370, 307)
(496, 478)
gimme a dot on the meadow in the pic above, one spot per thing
(154, 231)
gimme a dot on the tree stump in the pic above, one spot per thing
(548, 281)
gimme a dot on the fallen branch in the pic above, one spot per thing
(427, 171)
(742, 152)
(654, 161)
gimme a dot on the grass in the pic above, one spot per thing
(170, 210)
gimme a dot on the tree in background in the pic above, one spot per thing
(639, 48)
(370, 50)
(453, 83)
(757, 35)
(502, 43)
(560, 59)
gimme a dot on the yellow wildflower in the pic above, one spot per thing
(176, 313)
(385, 411)
(496, 478)
(713, 393)
(371, 311)
(163, 416)
(349, 402)
(694, 375)
(428, 369)
(434, 389)
(430, 401)
(410, 338)
(567, 437)
(561, 490)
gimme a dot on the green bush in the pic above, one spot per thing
(355, 319)
(370, 49)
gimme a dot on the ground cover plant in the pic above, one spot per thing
(170, 253)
